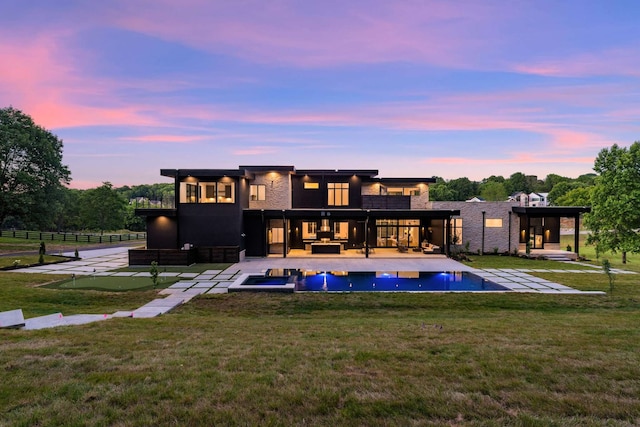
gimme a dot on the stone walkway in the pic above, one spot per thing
(102, 262)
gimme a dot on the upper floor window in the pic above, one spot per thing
(207, 192)
(338, 194)
(191, 193)
(257, 192)
(402, 191)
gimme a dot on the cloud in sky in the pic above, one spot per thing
(411, 88)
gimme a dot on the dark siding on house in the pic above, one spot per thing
(386, 202)
(162, 232)
(318, 199)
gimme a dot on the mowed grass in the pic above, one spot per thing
(589, 252)
(26, 260)
(29, 293)
(330, 359)
(12, 245)
(112, 283)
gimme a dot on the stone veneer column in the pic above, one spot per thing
(277, 191)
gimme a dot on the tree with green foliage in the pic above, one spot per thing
(31, 169)
(440, 191)
(493, 191)
(551, 181)
(102, 208)
(587, 179)
(463, 188)
(614, 219)
(132, 221)
(517, 182)
(580, 196)
(559, 190)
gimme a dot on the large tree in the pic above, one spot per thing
(615, 202)
(493, 191)
(31, 169)
(102, 208)
(517, 182)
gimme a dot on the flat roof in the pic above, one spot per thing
(399, 181)
(247, 171)
(338, 172)
(559, 211)
(354, 213)
(290, 169)
(204, 173)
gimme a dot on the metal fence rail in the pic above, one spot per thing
(72, 237)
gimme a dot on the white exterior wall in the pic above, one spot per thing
(277, 191)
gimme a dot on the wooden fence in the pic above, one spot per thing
(72, 237)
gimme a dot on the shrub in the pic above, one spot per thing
(154, 273)
(606, 267)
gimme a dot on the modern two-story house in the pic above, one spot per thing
(263, 210)
(227, 214)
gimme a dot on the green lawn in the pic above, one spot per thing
(194, 268)
(329, 359)
(589, 251)
(506, 261)
(11, 245)
(111, 283)
(25, 260)
(25, 291)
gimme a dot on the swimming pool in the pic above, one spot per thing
(382, 281)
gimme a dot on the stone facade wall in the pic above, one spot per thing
(277, 191)
(370, 189)
(421, 201)
(472, 225)
(417, 202)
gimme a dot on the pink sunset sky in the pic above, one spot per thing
(411, 88)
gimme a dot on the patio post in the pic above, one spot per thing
(366, 236)
(576, 237)
(447, 237)
(284, 235)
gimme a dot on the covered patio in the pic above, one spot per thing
(347, 232)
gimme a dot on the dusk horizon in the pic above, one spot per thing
(411, 89)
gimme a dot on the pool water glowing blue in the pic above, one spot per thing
(388, 281)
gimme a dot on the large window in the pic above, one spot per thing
(402, 191)
(191, 192)
(225, 192)
(397, 232)
(208, 192)
(456, 231)
(338, 194)
(309, 230)
(493, 223)
(341, 230)
(257, 192)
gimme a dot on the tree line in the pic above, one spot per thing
(34, 191)
(562, 190)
